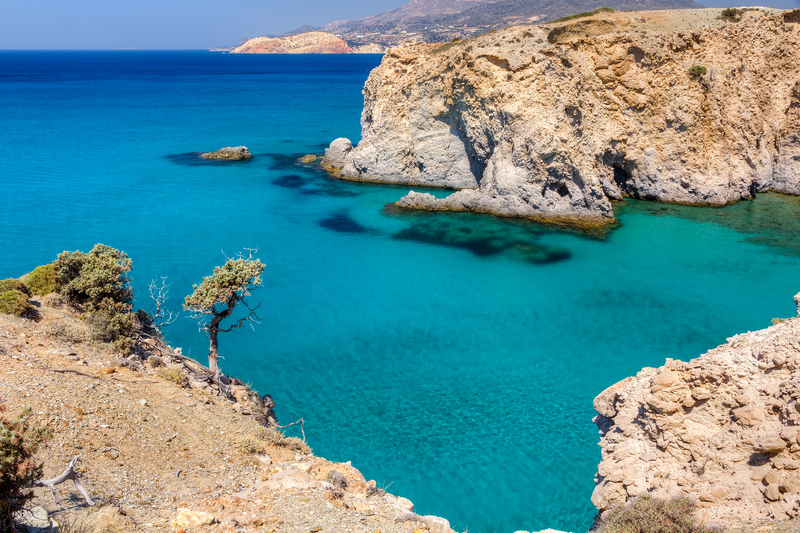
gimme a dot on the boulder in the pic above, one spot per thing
(189, 518)
(336, 153)
(229, 153)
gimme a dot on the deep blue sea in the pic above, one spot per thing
(452, 357)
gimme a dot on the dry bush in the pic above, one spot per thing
(250, 446)
(56, 300)
(19, 440)
(274, 437)
(155, 361)
(66, 331)
(650, 515)
(174, 375)
(14, 296)
(337, 479)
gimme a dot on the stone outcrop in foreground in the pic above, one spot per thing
(722, 428)
(229, 153)
(556, 121)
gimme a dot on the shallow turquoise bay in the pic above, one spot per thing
(451, 357)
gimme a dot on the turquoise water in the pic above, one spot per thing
(451, 357)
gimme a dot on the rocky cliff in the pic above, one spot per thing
(315, 42)
(722, 428)
(557, 121)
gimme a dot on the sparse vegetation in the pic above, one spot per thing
(66, 331)
(14, 296)
(249, 446)
(650, 515)
(697, 70)
(586, 14)
(155, 361)
(447, 46)
(731, 14)
(174, 375)
(778, 320)
(19, 440)
(275, 437)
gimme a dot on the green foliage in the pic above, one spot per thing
(19, 440)
(42, 280)
(732, 14)
(108, 327)
(649, 515)
(697, 70)
(97, 279)
(230, 283)
(14, 296)
(586, 14)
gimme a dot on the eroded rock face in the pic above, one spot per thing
(722, 428)
(229, 153)
(555, 122)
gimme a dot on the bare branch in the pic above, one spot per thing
(302, 424)
(6, 394)
(159, 294)
(69, 473)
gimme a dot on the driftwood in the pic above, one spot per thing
(194, 367)
(69, 473)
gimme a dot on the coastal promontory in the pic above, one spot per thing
(557, 121)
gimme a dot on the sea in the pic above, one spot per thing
(452, 357)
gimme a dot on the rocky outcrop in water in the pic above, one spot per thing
(229, 153)
(314, 42)
(722, 428)
(556, 121)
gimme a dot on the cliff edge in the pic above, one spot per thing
(555, 122)
(722, 428)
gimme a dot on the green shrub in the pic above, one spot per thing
(697, 70)
(174, 375)
(649, 515)
(109, 327)
(19, 440)
(14, 296)
(14, 302)
(732, 14)
(15, 285)
(42, 280)
(586, 14)
(98, 279)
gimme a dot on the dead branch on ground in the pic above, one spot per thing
(69, 473)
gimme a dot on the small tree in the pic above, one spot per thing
(216, 297)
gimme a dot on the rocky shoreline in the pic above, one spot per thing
(555, 122)
(722, 428)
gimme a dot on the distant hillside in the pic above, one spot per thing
(437, 21)
(442, 20)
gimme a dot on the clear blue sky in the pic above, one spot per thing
(179, 24)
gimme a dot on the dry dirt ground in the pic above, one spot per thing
(151, 448)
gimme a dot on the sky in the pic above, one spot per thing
(185, 24)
